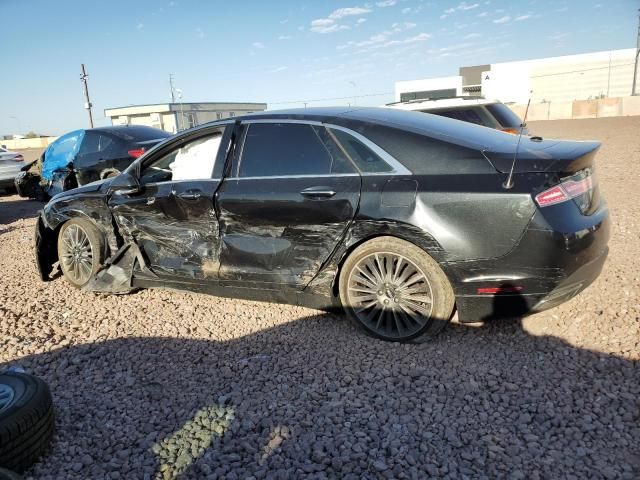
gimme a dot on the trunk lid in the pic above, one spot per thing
(537, 155)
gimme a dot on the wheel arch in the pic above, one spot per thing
(363, 232)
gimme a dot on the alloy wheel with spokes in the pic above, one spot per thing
(390, 294)
(81, 250)
(77, 254)
(395, 290)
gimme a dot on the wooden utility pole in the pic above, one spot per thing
(635, 65)
(87, 102)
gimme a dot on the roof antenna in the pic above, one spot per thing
(508, 184)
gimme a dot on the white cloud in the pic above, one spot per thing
(327, 28)
(199, 32)
(348, 12)
(443, 16)
(284, 37)
(472, 35)
(278, 69)
(522, 17)
(361, 20)
(462, 6)
(406, 10)
(386, 3)
(140, 26)
(258, 45)
(563, 9)
(330, 25)
(381, 40)
(483, 14)
(504, 19)
(399, 27)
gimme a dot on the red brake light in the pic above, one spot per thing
(552, 196)
(136, 153)
(566, 190)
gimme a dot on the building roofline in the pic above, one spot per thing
(184, 103)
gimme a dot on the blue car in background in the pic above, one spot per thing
(84, 156)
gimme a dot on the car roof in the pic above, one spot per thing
(429, 104)
(123, 129)
(435, 126)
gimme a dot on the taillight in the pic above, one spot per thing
(136, 153)
(579, 185)
(19, 158)
(512, 131)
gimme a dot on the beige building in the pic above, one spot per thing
(175, 117)
(587, 76)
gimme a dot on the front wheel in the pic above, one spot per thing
(395, 291)
(81, 251)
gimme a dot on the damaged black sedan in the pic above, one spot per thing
(398, 217)
(84, 156)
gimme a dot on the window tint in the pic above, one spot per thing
(278, 149)
(192, 161)
(94, 142)
(475, 115)
(504, 115)
(365, 159)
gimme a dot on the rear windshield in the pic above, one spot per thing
(504, 115)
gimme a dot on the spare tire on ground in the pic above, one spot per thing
(9, 475)
(26, 420)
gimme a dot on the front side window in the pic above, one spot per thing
(289, 149)
(193, 160)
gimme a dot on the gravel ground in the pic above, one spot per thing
(162, 384)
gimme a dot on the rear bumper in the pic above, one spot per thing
(547, 268)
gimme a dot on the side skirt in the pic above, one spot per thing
(284, 296)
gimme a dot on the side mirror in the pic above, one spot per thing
(125, 184)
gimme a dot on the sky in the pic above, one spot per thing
(284, 52)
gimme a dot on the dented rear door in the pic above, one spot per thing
(286, 204)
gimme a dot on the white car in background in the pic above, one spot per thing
(478, 110)
(10, 165)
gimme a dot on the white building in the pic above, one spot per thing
(174, 117)
(586, 76)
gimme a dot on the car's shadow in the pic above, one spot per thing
(14, 208)
(316, 398)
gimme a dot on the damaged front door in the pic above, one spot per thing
(172, 219)
(290, 196)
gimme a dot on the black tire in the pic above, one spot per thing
(76, 269)
(26, 421)
(9, 475)
(409, 282)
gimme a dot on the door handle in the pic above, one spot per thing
(190, 195)
(318, 192)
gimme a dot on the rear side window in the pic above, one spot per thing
(94, 143)
(366, 160)
(469, 115)
(504, 115)
(287, 149)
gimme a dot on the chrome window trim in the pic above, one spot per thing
(397, 167)
(323, 175)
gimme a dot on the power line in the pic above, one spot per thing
(332, 98)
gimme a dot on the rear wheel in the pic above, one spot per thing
(395, 291)
(81, 251)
